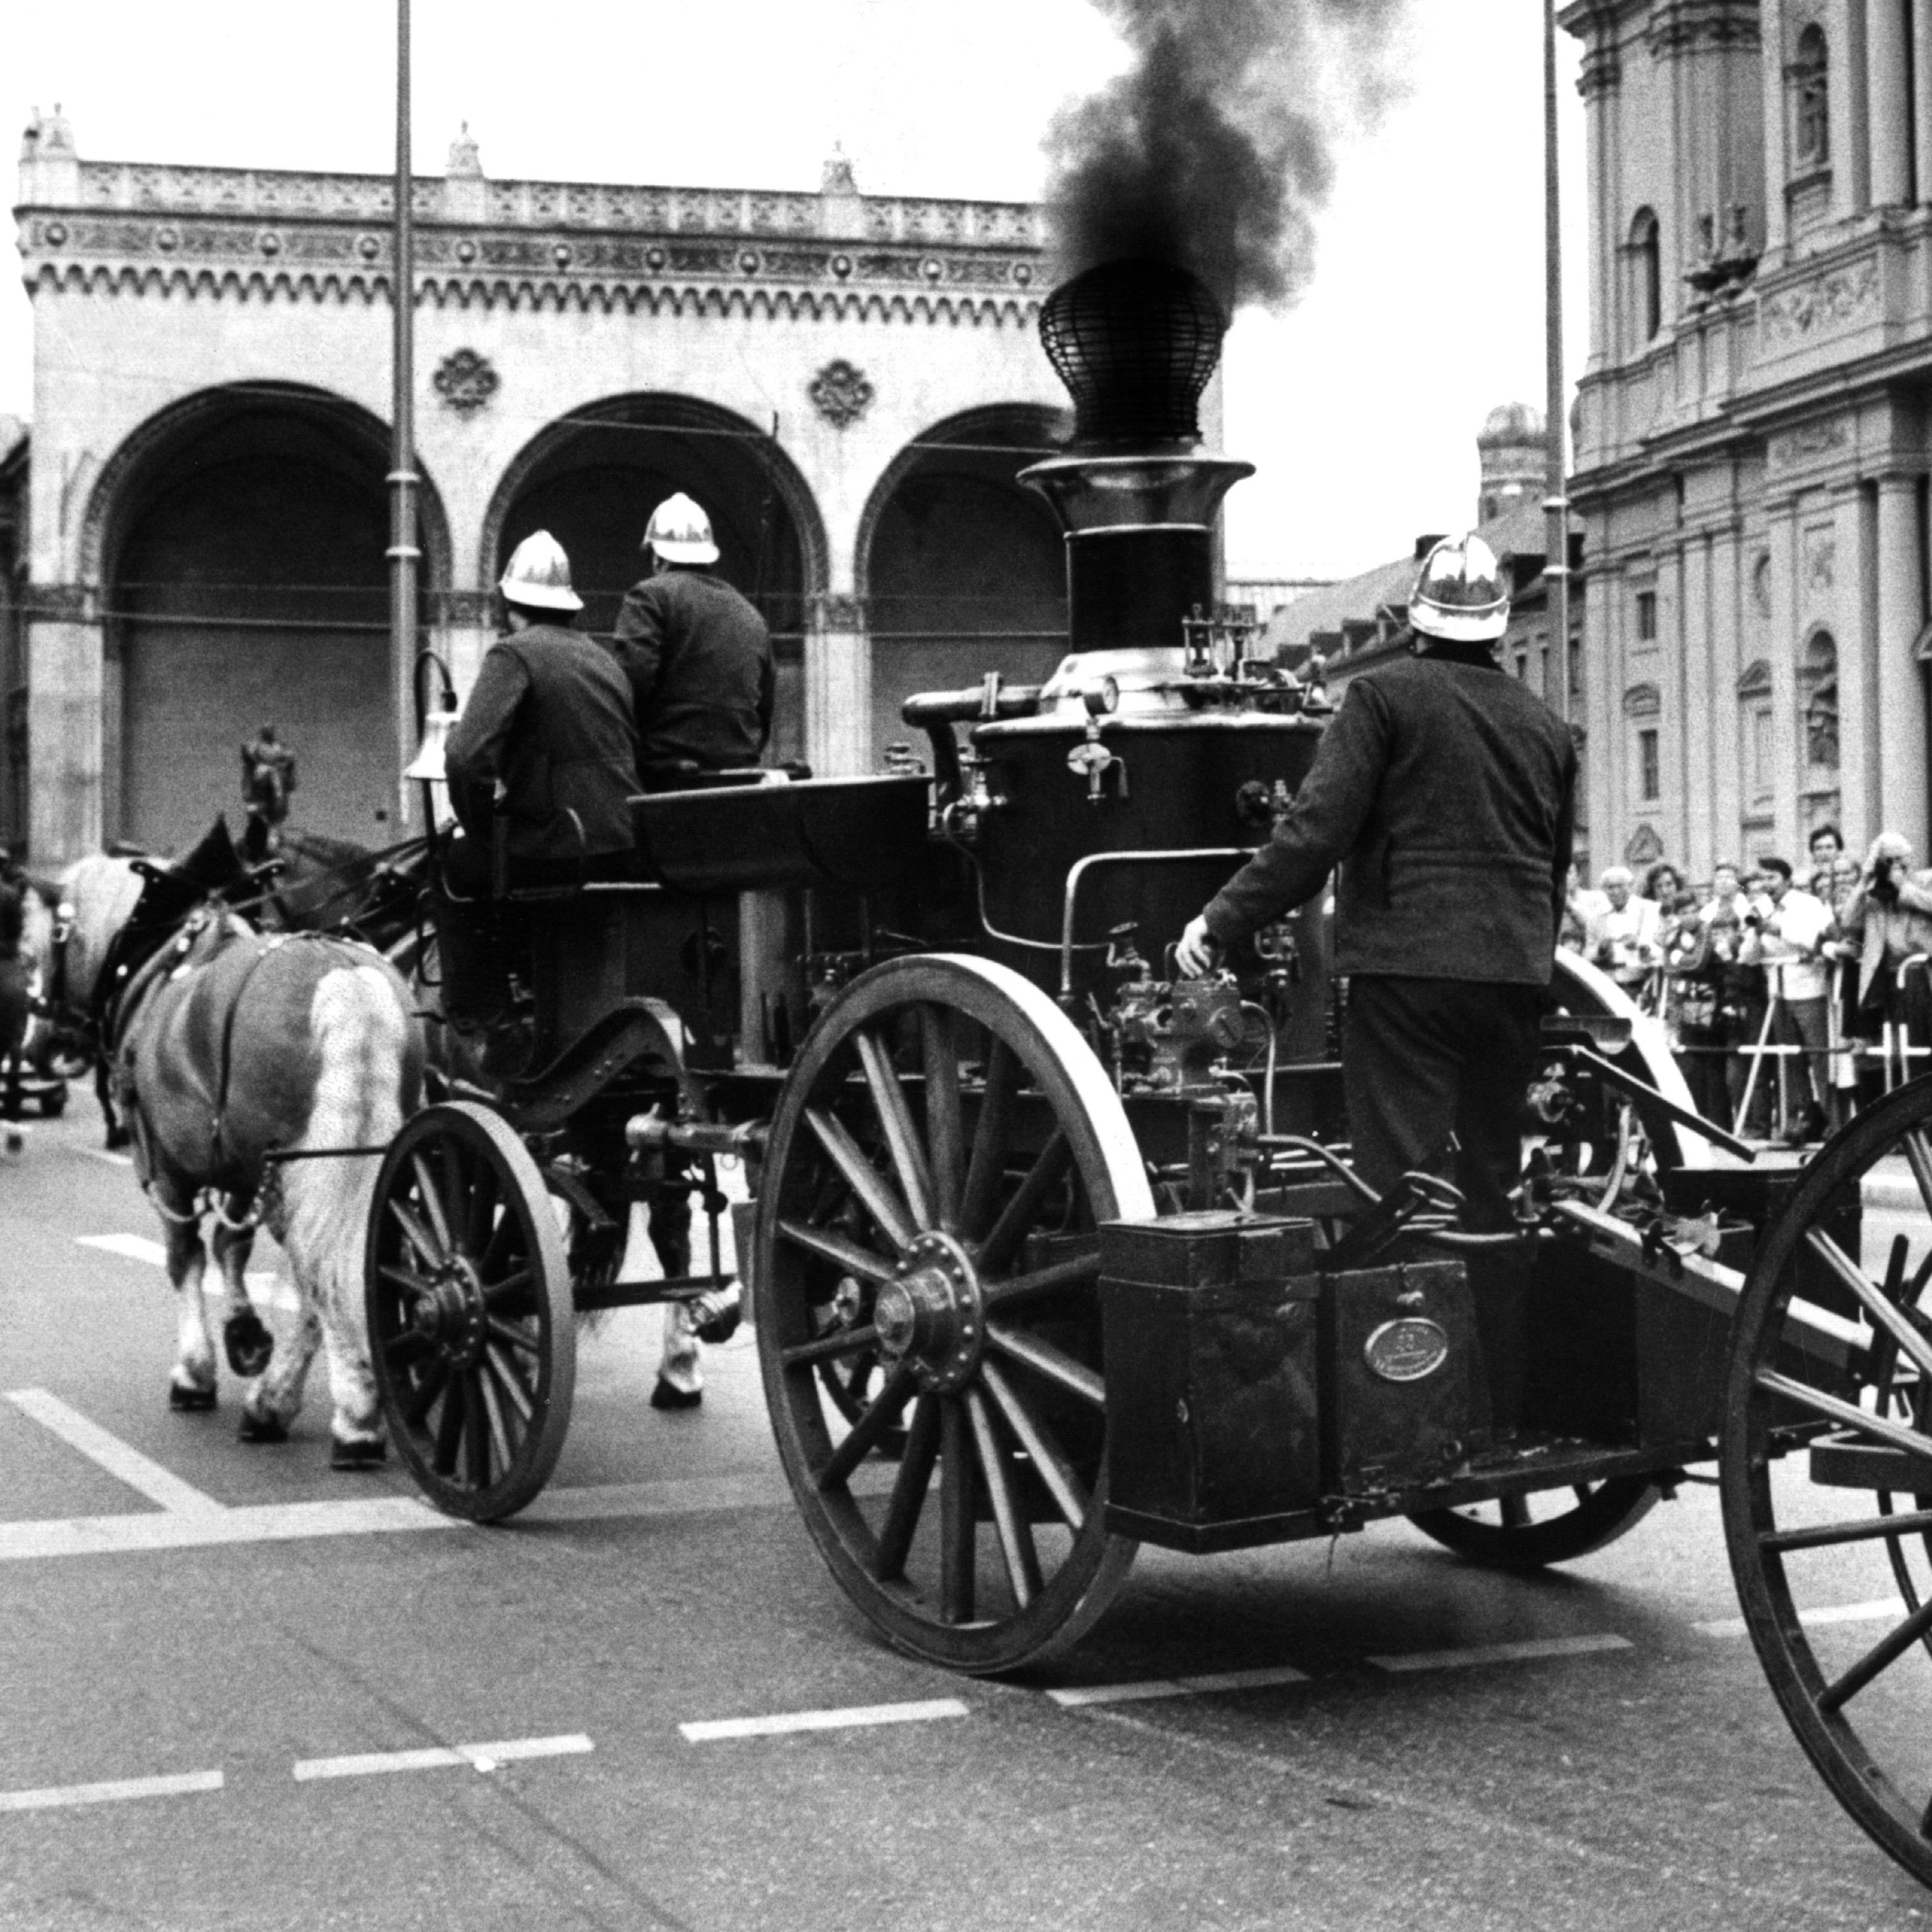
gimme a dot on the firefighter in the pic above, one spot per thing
(698, 655)
(1444, 789)
(546, 743)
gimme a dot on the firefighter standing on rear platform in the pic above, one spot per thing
(1444, 789)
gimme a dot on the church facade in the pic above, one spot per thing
(848, 383)
(1752, 448)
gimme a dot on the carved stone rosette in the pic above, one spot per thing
(841, 393)
(465, 381)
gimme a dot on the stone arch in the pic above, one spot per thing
(237, 539)
(591, 477)
(962, 567)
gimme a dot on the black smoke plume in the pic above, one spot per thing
(1216, 150)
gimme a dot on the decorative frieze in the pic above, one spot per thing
(1825, 302)
(1808, 440)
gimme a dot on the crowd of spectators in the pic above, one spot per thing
(1788, 996)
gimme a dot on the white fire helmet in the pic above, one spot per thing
(680, 532)
(538, 576)
(1461, 594)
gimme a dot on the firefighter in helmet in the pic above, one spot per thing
(698, 654)
(1444, 789)
(545, 743)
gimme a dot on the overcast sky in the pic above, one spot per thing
(1360, 408)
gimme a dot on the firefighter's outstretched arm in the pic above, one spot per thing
(1309, 839)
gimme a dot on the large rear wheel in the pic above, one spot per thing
(1827, 1468)
(939, 1161)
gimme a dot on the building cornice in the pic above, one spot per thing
(264, 234)
(1682, 26)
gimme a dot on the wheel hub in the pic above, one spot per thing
(931, 1315)
(449, 1314)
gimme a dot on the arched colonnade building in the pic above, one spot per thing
(848, 383)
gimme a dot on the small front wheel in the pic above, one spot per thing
(471, 1329)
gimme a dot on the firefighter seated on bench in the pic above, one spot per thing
(546, 744)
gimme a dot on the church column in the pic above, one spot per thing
(838, 687)
(1693, 732)
(1899, 688)
(1777, 166)
(63, 717)
(1888, 102)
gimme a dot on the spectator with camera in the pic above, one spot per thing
(1623, 937)
(1888, 920)
(1786, 932)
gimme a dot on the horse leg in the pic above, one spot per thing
(118, 1133)
(680, 1382)
(356, 1430)
(191, 1385)
(273, 1402)
(244, 1335)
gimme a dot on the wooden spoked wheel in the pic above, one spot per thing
(940, 1159)
(1827, 1468)
(472, 1330)
(1526, 1532)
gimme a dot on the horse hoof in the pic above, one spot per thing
(192, 1400)
(249, 1345)
(262, 1429)
(668, 1395)
(118, 1138)
(358, 1455)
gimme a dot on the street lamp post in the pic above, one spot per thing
(404, 557)
(1556, 502)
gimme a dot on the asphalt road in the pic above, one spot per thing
(224, 1636)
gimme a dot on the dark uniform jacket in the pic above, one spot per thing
(1445, 790)
(550, 716)
(699, 658)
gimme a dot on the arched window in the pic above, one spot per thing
(1809, 77)
(1646, 277)
(1818, 703)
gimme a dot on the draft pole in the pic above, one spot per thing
(404, 557)
(1556, 500)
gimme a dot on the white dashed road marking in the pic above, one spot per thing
(125, 1464)
(52, 1796)
(478, 1757)
(1074, 1696)
(858, 1716)
(1500, 1653)
(265, 1286)
(1879, 1610)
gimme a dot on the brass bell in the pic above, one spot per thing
(427, 764)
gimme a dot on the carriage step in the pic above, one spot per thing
(1839, 1463)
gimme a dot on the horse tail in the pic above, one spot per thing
(368, 1078)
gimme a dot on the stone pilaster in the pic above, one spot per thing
(838, 688)
(1729, 562)
(1782, 634)
(1777, 126)
(1899, 687)
(1856, 638)
(1694, 709)
(1887, 103)
(1851, 176)
(64, 736)
(1921, 97)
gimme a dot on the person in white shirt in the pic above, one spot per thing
(1623, 937)
(1785, 932)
